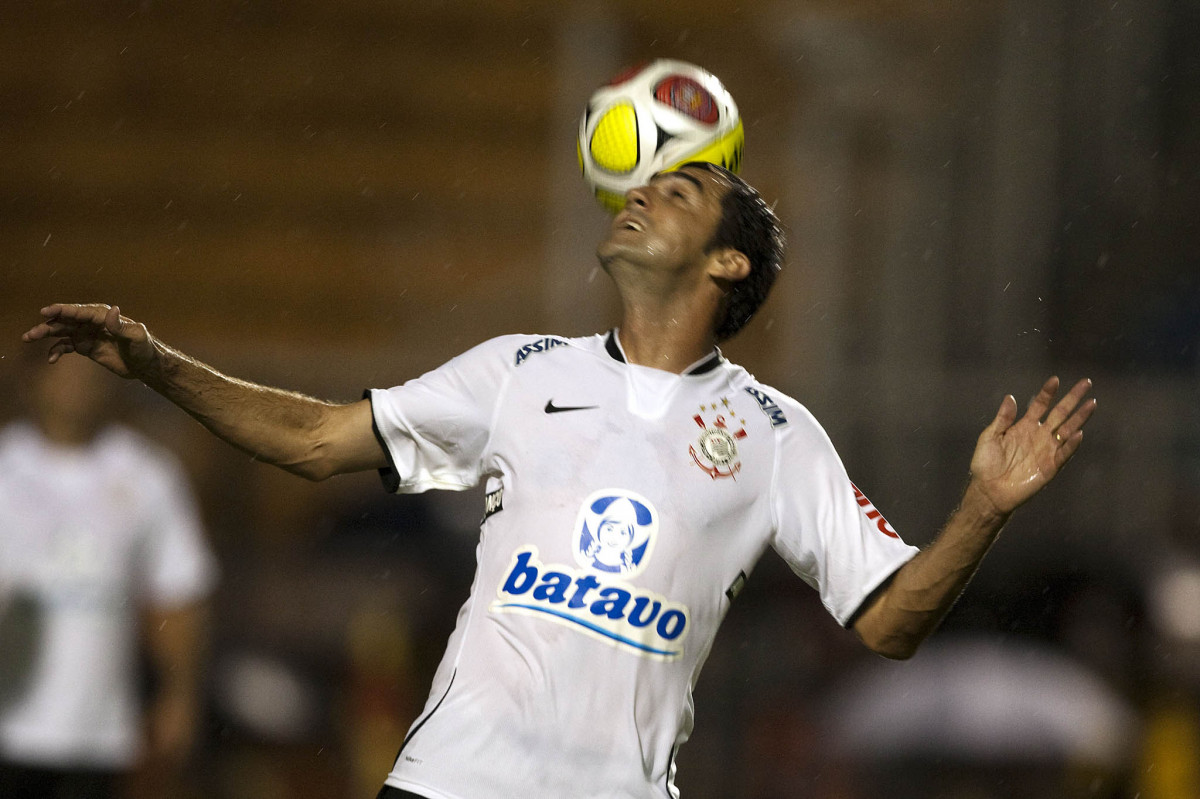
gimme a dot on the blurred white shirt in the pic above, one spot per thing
(89, 537)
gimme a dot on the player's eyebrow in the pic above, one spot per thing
(679, 174)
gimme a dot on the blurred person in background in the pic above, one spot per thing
(573, 676)
(103, 568)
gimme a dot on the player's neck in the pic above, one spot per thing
(66, 433)
(666, 341)
(667, 315)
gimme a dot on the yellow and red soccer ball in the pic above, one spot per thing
(654, 118)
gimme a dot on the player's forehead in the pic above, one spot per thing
(707, 181)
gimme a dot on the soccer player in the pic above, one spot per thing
(633, 479)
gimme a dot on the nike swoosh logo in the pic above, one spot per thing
(552, 408)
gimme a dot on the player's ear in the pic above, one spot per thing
(729, 265)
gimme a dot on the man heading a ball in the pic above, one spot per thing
(647, 430)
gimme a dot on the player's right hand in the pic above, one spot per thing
(99, 332)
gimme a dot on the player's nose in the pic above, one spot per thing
(639, 196)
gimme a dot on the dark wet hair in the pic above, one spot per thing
(749, 226)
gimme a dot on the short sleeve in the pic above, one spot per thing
(436, 428)
(826, 529)
(179, 567)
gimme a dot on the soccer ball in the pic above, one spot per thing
(655, 118)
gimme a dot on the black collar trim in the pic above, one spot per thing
(704, 367)
(614, 349)
(707, 365)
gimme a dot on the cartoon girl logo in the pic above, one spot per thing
(615, 532)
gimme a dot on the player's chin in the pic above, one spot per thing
(614, 259)
(620, 243)
(607, 250)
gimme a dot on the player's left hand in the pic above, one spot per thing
(1015, 459)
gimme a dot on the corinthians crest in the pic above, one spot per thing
(716, 451)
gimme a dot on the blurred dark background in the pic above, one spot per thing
(330, 196)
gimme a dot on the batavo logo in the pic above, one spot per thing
(615, 532)
(605, 608)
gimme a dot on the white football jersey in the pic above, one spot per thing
(89, 536)
(625, 507)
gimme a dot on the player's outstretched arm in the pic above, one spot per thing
(1013, 460)
(305, 436)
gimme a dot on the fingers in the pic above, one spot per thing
(1068, 416)
(1005, 416)
(1070, 443)
(68, 319)
(1066, 420)
(44, 330)
(1041, 401)
(112, 321)
(88, 313)
(61, 318)
(41, 331)
(1066, 405)
(1072, 428)
(60, 348)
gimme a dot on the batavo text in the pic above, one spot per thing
(632, 618)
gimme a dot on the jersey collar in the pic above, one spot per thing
(702, 366)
